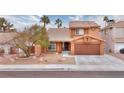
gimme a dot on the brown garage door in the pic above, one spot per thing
(87, 49)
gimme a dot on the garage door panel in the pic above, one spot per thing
(87, 49)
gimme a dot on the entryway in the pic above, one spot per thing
(66, 46)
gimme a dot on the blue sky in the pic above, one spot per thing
(21, 21)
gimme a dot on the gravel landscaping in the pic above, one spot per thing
(44, 59)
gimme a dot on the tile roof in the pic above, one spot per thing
(83, 24)
(117, 24)
(6, 37)
(118, 40)
(61, 34)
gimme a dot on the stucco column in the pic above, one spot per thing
(72, 48)
(63, 46)
(37, 50)
(101, 48)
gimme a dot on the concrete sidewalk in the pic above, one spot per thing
(61, 68)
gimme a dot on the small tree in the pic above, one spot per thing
(39, 36)
(43, 39)
(34, 35)
(22, 41)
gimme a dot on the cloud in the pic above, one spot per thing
(77, 17)
(118, 17)
(22, 21)
(98, 19)
(51, 25)
(35, 18)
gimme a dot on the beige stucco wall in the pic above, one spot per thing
(95, 32)
(37, 50)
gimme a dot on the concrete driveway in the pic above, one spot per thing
(120, 56)
(98, 60)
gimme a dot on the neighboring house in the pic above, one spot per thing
(81, 38)
(114, 37)
(6, 42)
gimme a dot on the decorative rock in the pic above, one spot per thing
(59, 60)
(21, 54)
(16, 58)
(58, 56)
(1, 58)
(41, 59)
(63, 58)
(34, 57)
(45, 60)
(12, 60)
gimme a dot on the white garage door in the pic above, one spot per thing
(118, 46)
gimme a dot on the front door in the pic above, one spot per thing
(66, 46)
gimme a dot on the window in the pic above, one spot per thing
(52, 46)
(79, 32)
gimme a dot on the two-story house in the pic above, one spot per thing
(81, 38)
(114, 37)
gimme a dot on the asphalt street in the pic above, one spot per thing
(62, 74)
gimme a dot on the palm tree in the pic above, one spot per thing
(106, 19)
(58, 22)
(45, 20)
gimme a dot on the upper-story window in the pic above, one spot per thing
(79, 32)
